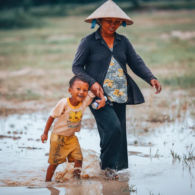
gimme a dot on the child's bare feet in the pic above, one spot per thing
(77, 173)
(77, 169)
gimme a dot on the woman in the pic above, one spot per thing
(101, 58)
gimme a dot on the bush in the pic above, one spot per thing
(18, 19)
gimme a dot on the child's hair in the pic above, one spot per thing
(75, 78)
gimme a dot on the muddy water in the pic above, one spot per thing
(161, 161)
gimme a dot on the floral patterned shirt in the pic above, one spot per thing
(115, 83)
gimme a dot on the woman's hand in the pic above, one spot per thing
(101, 102)
(44, 138)
(156, 85)
(97, 89)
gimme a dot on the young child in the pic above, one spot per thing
(68, 114)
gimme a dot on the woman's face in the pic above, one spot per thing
(109, 25)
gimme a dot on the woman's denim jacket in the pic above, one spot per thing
(93, 57)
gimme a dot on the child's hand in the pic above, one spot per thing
(43, 138)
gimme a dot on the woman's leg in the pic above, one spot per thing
(109, 128)
(120, 110)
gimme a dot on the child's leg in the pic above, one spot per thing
(77, 168)
(50, 171)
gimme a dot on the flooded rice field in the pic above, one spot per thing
(161, 158)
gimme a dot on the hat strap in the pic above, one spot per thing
(124, 24)
(93, 23)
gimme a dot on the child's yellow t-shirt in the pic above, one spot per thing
(68, 117)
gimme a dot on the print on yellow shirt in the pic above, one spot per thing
(75, 117)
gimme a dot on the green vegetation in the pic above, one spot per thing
(184, 81)
(36, 61)
(170, 5)
(18, 18)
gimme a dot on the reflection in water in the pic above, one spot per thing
(53, 191)
(85, 187)
(116, 187)
(93, 187)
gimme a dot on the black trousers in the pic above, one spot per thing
(111, 124)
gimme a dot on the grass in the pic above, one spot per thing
(184, 81)
(25, 96)
(167, 5)
(175, 156)
(47, 51)
(187, 159)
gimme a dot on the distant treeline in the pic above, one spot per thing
(19, 3)
(29, 3)
(4, 4)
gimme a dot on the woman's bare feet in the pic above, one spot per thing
(111, 174)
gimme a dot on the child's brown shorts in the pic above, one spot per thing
(64, 147)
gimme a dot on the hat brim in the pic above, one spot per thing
(128, 22)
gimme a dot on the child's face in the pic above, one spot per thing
(79, 90)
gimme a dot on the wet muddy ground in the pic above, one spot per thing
(161, 149)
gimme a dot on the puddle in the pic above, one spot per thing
(160, 161)
(154, 169)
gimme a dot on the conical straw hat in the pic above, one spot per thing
(109, 10)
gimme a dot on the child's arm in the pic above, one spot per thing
(89, 98)
(47, 127)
